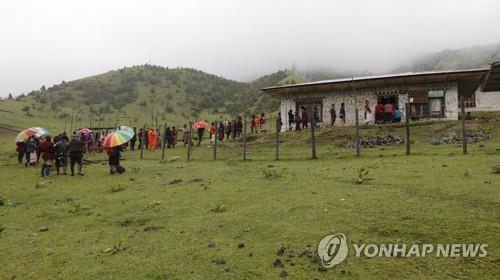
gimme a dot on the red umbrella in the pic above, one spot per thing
(200, 124)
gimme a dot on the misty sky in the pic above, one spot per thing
(45, 42)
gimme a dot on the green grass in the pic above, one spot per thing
(156, 220)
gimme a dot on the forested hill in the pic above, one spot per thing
(148, 89)
(454, 59)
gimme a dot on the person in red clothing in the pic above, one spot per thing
(379, 112)
(47, 151)
(388, 112)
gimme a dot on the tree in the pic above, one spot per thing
(26, 109)
(10, 96)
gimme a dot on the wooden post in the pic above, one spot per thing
(215, 139)
(464, 132)
(244, 138)
(407, 124)
(277, 139)
(143, 142)
(163, 140)
(313, 139)
(189, 141)
(357, 132)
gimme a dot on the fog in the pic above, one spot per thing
(45, 42)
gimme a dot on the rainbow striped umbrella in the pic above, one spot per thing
(116, 138)
(32, 131)
(126, 130)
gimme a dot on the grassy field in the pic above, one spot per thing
(227, 219)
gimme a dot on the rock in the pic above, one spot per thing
(151, 228)
(468, 173)
(219, 261)
(283, 274)
(495, 169)
(176, 181)
(132, 178)
(241, 245)
(250, 254)
(281, 251)
(211, 244)
(174, 158)
(278, 263)
(43, 229)
(436, 142)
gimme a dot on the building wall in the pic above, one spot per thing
(337, 97)
(451, 102)
(487, 101)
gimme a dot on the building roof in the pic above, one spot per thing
(492, 80)
(385, 80)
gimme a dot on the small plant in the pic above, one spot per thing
(362, 175)
(2, 202)
(271, 173)
(219, 208)
(340, 143)
(115, 189)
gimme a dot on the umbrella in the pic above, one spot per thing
(126, 130)
(32, 131)
(84, 131)
(116, 138)
(200, 124)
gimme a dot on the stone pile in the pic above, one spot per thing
(374, 141)
(457, 139)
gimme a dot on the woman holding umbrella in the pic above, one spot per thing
(113, 143)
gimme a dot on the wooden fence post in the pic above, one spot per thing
(407, 125)
(277, 139)
(189, 140)
(244, 138)
(143, 142)
(163, 141)
(464, 132)
(313, 138)
(357, 132)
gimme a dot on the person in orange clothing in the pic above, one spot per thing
(152, 140)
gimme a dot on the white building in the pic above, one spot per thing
(434, 94)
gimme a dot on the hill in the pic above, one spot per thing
(452, 59)
(145, 94)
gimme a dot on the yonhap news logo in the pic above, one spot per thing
(333, 249)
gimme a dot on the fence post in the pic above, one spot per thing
(464, 132)
(313, 138)
(277, 139)
(407, 124)
(143, 142)
(244, 138)
(357, 132)
(163, 140)
(216, 138)
(189, 141)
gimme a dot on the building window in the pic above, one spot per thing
(470, 102)
(427, 104)
(309, 104)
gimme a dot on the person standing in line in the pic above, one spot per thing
(229, 129)
(333, 115)
(201, 132)
(30, 149)
(304, 117)
(47, 153)
(315, 116)
(211, 131)
(139, 135)
(298, 121)
(133, 140)
(239, 127)
(367, 111)
(185, 135)
(174, 136)
(21, 150)
(220, 132)
(397, 115)
(291, 120)
(76, 150)
(279, 122)
(379, 112)
(253, 125)
(388, 112)
(61, 148)
(262, 123)
(342, 114)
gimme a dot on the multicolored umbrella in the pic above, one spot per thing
(84, 131)
(126, 130)
(116, 138)
(200, 124)
(32, 131)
